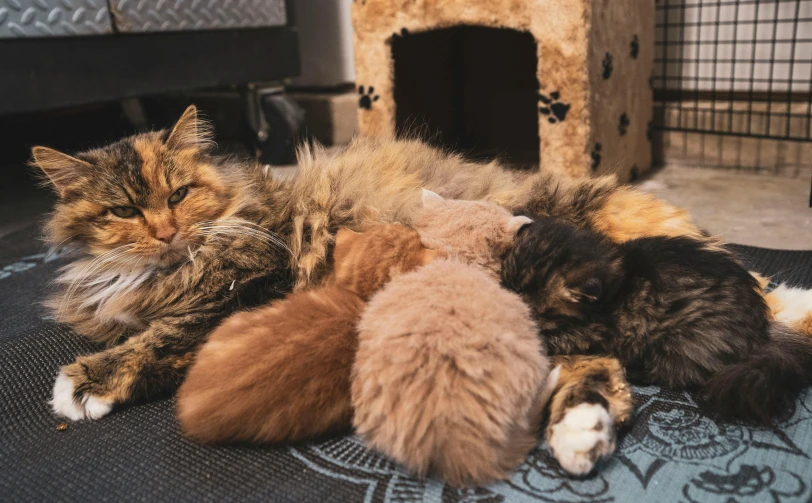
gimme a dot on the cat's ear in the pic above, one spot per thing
(430, 198)
(64, 171)
(517, 222)
(190, 132)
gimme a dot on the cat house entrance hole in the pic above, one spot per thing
(471, 89)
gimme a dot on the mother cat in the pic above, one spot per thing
(173, 239)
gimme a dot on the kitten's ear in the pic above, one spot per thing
(63, 170)
(592, 289)
(430, 256)
(345, 237)
(431, 198)
(517, 222)
(190, 132)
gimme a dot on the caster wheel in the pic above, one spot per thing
(285, 120)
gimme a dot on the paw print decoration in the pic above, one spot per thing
(596, 156)
(555, 109)
(623, 124)
(607, 66)
(366, 98)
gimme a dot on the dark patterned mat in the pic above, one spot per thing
(673, 452)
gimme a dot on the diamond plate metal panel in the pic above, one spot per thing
(179, 15)
(51, 18)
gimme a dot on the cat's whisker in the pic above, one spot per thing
(245, 231)
(235, 231)
(255, 226)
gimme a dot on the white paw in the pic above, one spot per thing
(585, 435)
(85, 407)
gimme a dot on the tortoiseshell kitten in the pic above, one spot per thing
(171, 239)
(675, 312)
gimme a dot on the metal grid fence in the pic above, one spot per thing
(734, 67)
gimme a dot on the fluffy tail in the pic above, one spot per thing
(764, 386)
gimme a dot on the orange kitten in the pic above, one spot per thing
(281, 373)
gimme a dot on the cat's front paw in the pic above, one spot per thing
(76, 406)
(585, 435)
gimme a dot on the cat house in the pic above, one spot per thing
(560, 83)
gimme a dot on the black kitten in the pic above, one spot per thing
(674, 312)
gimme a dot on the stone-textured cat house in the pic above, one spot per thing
(563, 82)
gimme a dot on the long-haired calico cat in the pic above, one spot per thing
(171, 238)
(281, 373)
(673, 311)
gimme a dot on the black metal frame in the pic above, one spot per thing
(45, 73)
(684, 94)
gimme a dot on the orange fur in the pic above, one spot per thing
(281, 373)
(629, 214)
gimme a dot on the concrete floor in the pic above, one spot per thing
(753, 209)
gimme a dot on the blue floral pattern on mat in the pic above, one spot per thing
(31, 261)
(672, 452)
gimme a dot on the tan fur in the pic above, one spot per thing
(378, 180)
(281, 373)
(474, 232)
(448, 368)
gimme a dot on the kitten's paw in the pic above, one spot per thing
(584, 436)
(84, 406)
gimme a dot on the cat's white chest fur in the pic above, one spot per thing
(109, 291)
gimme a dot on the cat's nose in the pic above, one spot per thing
(165, 233)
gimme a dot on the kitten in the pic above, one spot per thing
(281, 373)
(673, 311)
(448, 378)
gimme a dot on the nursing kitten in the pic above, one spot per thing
(281, 373)
(673, 311)
(448, 378)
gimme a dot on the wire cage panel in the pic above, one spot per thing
(734, 67)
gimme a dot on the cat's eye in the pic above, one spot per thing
(178, 195)
(592, 288)
(124, 211)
